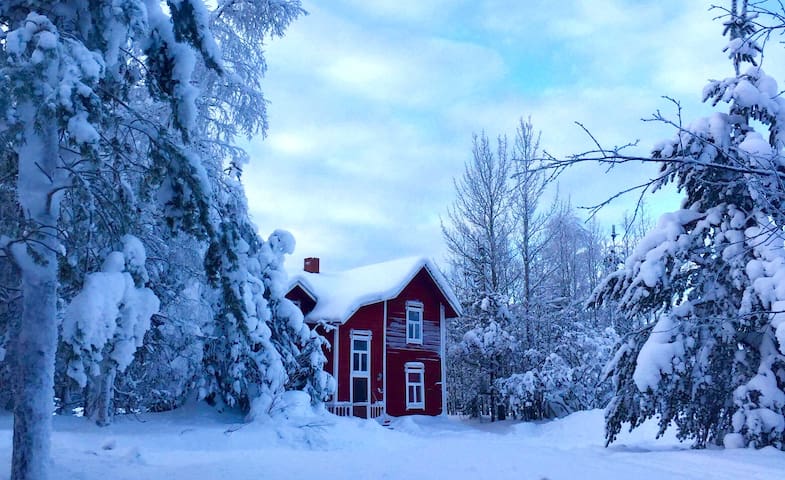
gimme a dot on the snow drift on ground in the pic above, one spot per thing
(198, 442)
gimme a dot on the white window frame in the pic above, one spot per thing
(414, 307)
(419, 368)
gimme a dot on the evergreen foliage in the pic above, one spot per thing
(707, 280)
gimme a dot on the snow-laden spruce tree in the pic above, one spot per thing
(301, 348)
(710, 278)
(118, 117)
(65, 67)
(258, 344)
(241, 363)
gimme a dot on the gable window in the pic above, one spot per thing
(415, 385)
(414, 322)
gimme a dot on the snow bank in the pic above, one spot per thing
(198, 442)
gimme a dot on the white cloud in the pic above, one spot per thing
(386, 66)
(406, 11)
(292, 143)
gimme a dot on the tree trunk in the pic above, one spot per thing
(493, 397)
(36, 333)
(66, 395)
(34, 389)
(101, 393)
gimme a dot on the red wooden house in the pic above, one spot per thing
(386, 324)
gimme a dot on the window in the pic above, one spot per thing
(360, 355)
(415, 385)
(414, 322)
(360, 351)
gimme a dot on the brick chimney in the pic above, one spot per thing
(311, 264)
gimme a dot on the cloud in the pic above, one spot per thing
(404, 11)
(354, 61)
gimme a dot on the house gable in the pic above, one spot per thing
(423, 291)
(302, 298)
(420, 290)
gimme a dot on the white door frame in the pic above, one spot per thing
(363, 335)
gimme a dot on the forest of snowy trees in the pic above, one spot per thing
(133, 280)
(526, 345)
(685, 325)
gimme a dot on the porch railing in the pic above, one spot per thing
(344, 409)
(377, 409)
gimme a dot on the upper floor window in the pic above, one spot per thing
(414, 322)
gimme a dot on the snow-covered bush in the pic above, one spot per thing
(560, 384)
(106, 322)
(523, 393)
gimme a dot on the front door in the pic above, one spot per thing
(361, 373)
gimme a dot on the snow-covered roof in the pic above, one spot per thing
(339, 294)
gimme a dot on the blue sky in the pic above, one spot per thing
(373, 106)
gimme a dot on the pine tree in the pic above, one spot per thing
(249, 358)
(706, 280)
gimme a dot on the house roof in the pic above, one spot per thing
(339, 294)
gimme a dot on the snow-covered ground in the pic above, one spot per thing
(197, 442)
